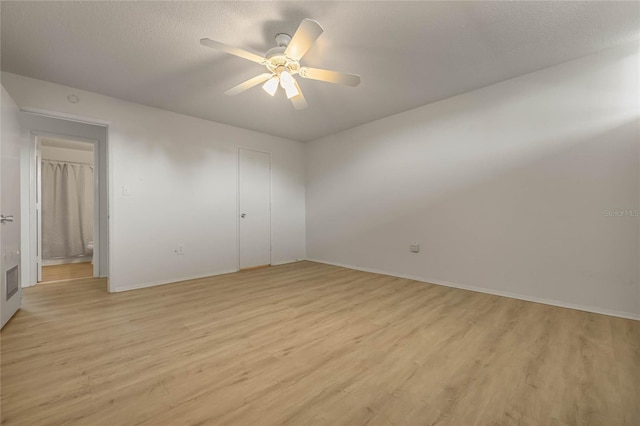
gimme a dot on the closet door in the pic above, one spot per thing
(254, 186)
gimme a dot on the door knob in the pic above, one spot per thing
(242, 215)
(4, 218)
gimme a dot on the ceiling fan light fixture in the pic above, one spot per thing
(286, 81)
(291, 92)
(288, 84)
(271, 86)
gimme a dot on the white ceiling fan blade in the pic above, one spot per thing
(330, 76)
(306, 34)
(298, 101)
(232, 50)
(248, 84)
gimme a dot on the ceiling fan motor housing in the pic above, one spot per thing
(277, 61)
(283, 39)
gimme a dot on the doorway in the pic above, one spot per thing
(254, 202)
(60, 134)
(65, 182)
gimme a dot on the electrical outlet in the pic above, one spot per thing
(179, 249)
(126, 190)
(415, 247)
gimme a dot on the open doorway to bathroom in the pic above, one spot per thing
(65, 208)
(74, 134)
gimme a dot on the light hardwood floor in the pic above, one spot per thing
(312, 344)
(67, 271)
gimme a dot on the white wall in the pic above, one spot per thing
(505, 188)
(181, 172)
(56, 153)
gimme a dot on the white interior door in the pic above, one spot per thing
(254, 186)
(10, 288)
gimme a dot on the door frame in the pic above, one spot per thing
(238, 248)
(37, 254)
(37, 124)
(38, 202)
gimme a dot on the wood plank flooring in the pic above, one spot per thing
(312, 344)
(67, 271)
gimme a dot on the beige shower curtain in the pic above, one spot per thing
(67, 209)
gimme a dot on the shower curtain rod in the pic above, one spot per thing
(70, 162)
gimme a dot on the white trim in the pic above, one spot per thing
(286, 262)
(171, 281)
(195, 277)
(97, 163)
(64, 115)
(38, 205)
(593, 309)
(238, 208)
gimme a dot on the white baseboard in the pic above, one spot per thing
(171, 281)
(594, 309)
(193, 277)
(284, 262)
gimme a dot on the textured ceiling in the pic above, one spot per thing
(408, 53)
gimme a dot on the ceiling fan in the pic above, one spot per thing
(283, 62)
